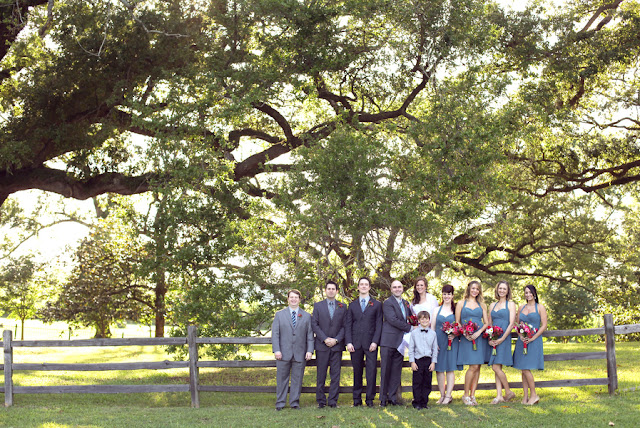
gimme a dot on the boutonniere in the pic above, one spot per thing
(370, 303)
(340, 305)
(299, 315)
(406, 305)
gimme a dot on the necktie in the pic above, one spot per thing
(404, 313)
(362, 304)
(293, 319)
(331, 309)
(423, 330)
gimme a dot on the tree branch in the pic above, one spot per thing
(602, 9)
(62, 183)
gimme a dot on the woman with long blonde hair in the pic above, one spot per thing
(472, 350)
(502, 313)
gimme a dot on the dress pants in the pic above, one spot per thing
(422, 382)
(358, 362)
(284, 370)
(390, 373)
(328, 360)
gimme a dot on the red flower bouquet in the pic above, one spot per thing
(451, 329)
(526, 330)
(413, 320)
(469, 328)
(493, 332)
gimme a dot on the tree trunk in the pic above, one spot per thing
(22, 329)
(102, 329)
(161, 290)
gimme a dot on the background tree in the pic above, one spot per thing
(104, 286)
(20, 289)
(452, 138)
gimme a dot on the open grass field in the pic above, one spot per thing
(36, 329)
(559, 407)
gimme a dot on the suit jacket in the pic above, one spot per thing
(394, 325)
(324, 326)
(293, 343)
(363, 328)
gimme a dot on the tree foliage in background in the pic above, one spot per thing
(105, 286)
(283, 142)
(21, 289)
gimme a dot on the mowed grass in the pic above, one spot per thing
(559, 407)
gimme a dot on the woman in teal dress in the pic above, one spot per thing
(535, 314)
(502, 314)
(447, 364)
(472, 308)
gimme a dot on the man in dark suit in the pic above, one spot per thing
(292, 344)
(328, 325)
(363, 328)
(396, 313)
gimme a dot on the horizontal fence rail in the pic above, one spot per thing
(193, 364)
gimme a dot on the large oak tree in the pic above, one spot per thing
(419, 135)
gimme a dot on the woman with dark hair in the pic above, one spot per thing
(447, 364)
(535, 315)
(423, 301)
(502, 314)
(472, 308)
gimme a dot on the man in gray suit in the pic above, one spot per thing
(292, 344)
(396, 313)
(328, 325)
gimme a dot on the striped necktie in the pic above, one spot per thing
(293, 318)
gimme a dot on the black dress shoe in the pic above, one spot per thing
(394, 403)
(333, 406)
(278, 408)
(295, 407)
(418, 407)
(369, 403)
(357, 403)
(320, 406)
(383, 404)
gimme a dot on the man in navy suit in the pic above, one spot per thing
(362, 331)
(396, 313)
(292, 344)
(328, 325)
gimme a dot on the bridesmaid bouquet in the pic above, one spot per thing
(451, 329)
(493, 332)
(469, 328)
(526, 330)
(413, 320)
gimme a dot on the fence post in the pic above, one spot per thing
(610, 337)
(193, 365)
(8, 368)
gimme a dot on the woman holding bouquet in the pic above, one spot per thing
(503, 315)
(471, 313)
(447, 354)
(528, 354)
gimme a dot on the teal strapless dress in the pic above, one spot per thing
(447, 360)
(503, 351)
(466, 353)
(534, 359)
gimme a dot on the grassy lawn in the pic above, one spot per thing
(559, 407)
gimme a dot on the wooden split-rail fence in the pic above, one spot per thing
(194, 364)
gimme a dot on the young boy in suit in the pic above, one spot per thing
(423, 356)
